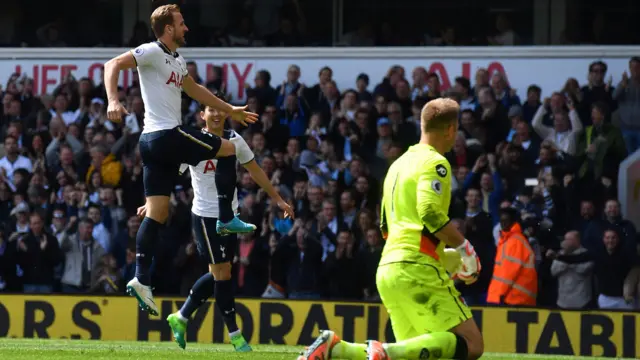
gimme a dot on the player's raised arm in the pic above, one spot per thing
(202, 95)
(112, 70)
(258, 175)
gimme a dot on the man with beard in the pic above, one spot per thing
(163, 76)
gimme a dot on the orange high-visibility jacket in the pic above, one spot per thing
(515, 280)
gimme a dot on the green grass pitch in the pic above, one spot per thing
(29, 349)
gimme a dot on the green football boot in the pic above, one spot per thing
(178, 328)
(240, 344)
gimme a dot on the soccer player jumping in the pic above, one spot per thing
(165, 143)
(213, 247)
(428, 317)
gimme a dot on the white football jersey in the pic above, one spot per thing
(203, 178)
(161, 75)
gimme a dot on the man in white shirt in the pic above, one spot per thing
(100, 232)
(13, 160)
(214, 247)
(564, 132)
(60, 110)
(165, 143)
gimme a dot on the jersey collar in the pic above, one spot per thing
(166, 49)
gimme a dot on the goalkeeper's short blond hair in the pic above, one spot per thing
(439, 114)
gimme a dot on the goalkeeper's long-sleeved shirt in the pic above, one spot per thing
(416, 197)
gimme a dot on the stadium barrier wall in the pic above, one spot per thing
(546, 66)
(506, 330)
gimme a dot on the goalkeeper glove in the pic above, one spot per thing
(470, 263)
(452, 261)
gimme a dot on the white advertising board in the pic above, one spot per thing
(548, 67)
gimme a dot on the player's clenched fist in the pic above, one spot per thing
(471, 267)
(115, 110)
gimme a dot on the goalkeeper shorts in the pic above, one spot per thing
(420, 299)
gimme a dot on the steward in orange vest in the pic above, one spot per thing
(515, 280)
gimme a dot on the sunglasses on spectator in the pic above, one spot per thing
(597, 70)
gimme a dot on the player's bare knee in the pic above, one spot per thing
(221, 272)
(227, 148)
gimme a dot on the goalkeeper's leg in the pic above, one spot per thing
(423, 298)
(462, 343)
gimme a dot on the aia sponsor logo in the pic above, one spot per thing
(175, 79)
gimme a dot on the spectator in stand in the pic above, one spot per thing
(565, 130)
(291, 85)
(419, 87)
(369, 258)
(493, 118)
(404, 132)
(365, 133)
(61, 108)
(461, 154)
(100, 232)
(611, 219)
(13, 160)
(124, 239)
(481, 81)
(572, 93)
(504, 94)
(477, 226)
(362, 83)
(612, 268)
(532, 104)
(523, 138)
(304, 265)
(434, 91)
(109, 279)
(597, 90)
(403, 97)
(292, 114)
(38, 255)
(263, 91)
(343, 273)
(328, 103)
(111, 207)
(485, 173)
(467, 99)
(386, 88)
(315, 94)
(515, 280)
(574, 280)
(627, 95)
(83, 255)
(328, 225)
(251, 264)
(600, 147)
(105, 163)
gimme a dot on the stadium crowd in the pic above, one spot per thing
(545, 169)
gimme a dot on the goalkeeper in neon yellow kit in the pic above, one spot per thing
(428, 316)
